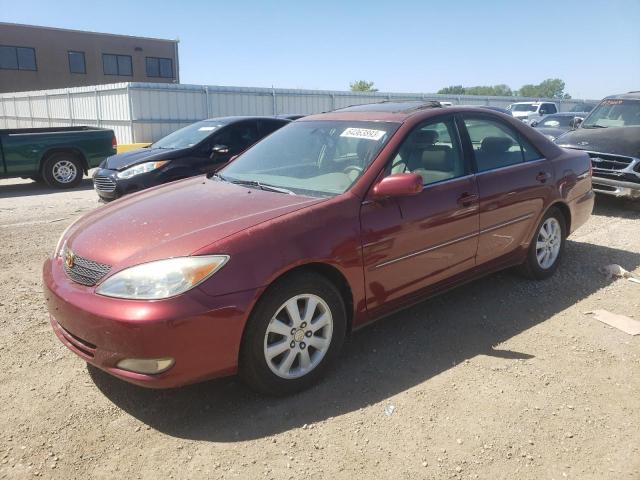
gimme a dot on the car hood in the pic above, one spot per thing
(175, 220)
(554, 132)
(616, 140)
(522, 114)
(134, 157)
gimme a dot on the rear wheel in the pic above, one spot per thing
(62, 170)
(547, 246)
(295, 332)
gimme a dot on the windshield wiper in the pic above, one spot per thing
(262, 186)
(593, 126)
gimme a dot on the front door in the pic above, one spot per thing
(410, 243)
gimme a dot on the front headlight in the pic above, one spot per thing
(162, 278)
(141, 168)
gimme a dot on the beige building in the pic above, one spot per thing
(38, 58)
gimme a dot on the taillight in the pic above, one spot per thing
(114, 142)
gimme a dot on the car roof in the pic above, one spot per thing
(373, 114)
(635, 95)
(240, 118)
(379, 111)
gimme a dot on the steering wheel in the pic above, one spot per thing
(350, 168)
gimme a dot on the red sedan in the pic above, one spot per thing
(329, 223)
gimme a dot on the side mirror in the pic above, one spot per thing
(576, 122)
(398, 185)
(218, 150)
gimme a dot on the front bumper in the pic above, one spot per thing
(616, 188)
(202, 333)
(109, 187)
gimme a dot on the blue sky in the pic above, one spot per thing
(403, 46)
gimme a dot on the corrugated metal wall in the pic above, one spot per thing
(145, 112)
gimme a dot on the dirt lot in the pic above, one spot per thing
(502, 378)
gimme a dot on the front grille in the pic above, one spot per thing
(104, 184)
(85, 271)
(607, 161)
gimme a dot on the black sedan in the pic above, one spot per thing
(202, 147)
(552, 126)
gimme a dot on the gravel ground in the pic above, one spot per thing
(501, 378)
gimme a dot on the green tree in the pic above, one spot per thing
(362, 86)
(549, 88)
(496, 90)
(452, 90)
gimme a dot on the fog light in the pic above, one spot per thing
(148, 366)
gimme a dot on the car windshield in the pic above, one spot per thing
(188, 136)
(317, 158)
(523, 107)
(614, 113)
(555, 121)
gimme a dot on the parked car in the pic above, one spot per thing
(196, 149)
(57, 156)
(529, 111)
(333, 221)
(611, 136)
(552, 126)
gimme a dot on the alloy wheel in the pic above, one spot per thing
(548, 243)
(298, 336)
(64, 171)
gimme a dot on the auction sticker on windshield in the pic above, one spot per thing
(365, 133)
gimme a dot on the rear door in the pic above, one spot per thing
(410, 243)
(514, 182)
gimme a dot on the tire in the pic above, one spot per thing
(62, 170)
(280, 354)
(545, 254)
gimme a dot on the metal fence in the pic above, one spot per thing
(145, 112)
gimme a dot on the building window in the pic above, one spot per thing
(76, 62)
(159, 67)
(117, 64)
(17, 58)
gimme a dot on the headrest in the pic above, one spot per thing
(496, 144)
(424, 137)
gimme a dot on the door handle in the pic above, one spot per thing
(543, 177)
(467, 199)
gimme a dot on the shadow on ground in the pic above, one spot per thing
(393, 355)
(23, 189)
(608, 206)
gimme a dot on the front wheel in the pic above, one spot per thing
(62, 170)
(295, 332)
(546, 246)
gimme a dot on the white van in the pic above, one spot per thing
(528, 111)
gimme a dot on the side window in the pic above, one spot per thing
(495, 145)
(551, 108)
(242, 135)
(432, 150)
(528, 150)
(269, 126)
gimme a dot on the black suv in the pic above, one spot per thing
(202, 147)
(611, 136)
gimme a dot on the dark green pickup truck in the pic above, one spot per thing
(57, 156)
